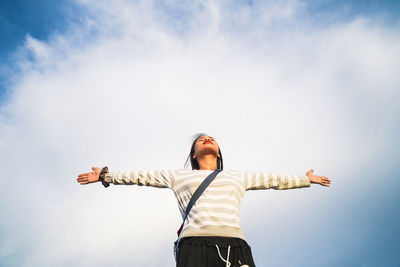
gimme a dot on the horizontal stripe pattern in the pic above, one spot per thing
(217, 209)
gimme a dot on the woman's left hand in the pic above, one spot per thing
(322, 180)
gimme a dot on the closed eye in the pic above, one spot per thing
(202, 139)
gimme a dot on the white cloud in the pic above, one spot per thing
(278, 98)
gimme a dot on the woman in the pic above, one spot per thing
(211, 235)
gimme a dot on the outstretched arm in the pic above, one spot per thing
(322, 180)
(255, 181)
(269, 180)
(155, 178)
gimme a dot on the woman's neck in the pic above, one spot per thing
(207, 162)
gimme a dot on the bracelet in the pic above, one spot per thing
(102, 176)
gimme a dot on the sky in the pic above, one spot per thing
(283, 87)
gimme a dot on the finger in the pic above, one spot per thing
(94, 168)
(327, 180)
(83, 174)
(84, 182)
(82, 179)
(325, 184)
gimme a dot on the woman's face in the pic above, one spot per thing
(206, 145)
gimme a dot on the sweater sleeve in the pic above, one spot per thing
(155, 178)
(255, 181)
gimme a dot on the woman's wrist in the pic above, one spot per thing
(309, 177)
(102, 176)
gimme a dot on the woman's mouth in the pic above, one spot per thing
(206, 142)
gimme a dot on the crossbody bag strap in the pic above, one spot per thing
(198, 193)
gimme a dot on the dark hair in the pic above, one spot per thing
(194, 163)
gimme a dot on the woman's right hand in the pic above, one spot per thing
(89, 177)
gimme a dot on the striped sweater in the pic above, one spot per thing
(216, 212)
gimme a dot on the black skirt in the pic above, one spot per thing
(211, 251)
